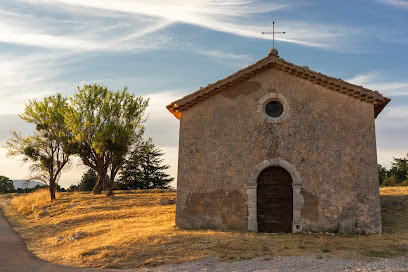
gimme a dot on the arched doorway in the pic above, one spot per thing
(274, 200)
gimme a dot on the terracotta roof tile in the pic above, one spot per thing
(358, 92)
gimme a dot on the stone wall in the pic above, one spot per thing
(328, 137)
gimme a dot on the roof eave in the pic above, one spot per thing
(380, 106)
(173, 109)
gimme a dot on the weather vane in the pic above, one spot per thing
(273, 38)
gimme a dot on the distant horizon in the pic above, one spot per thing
(21, 183)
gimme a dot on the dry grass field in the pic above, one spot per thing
(131, 229)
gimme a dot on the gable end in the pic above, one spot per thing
(338, 85)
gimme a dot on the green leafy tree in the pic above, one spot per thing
(88, 181)
(72, 188)
(382, 173)
(104, 124)
(144, 169)
(399, 169)
(60, 189)
(6, 185)
(45, 149)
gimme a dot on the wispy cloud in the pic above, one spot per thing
(395, 3)
(392, 123)
(25, 77)
(397, 112)
(82, 32)
(231, 59)
(84, 24)
(189, 11)
(24, 35)
(371, 81)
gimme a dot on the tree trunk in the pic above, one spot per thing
(109, 192)
(51, 188)
(101, 182)
(97, 189)
(110, 187)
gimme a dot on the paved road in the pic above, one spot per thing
(15, 257)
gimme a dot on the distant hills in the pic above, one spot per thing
(25, 184)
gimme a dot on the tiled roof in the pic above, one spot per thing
(338, 85)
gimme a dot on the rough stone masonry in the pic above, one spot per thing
(274, 114)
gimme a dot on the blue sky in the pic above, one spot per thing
(167, 49)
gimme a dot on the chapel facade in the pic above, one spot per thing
(278, 147)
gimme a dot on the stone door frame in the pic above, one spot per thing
(297, 185)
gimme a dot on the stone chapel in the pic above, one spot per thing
(277, 147)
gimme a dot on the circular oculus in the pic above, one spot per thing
(274, 108)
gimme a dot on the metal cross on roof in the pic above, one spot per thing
(273, 34)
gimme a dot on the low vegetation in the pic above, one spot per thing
(27, 203)
(136, 228)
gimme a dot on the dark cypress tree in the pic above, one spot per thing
(144, 169)
(88, 180)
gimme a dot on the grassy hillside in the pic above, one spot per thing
(131, 230)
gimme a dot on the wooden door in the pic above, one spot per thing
(274, 200)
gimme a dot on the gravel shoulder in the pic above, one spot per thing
(310, 263)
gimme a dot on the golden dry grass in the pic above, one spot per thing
(132, 230)
(28, 203)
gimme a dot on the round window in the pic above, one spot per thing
(274, 108)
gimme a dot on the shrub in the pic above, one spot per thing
(404, 183)
(391, 181)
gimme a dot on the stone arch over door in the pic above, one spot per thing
(297, 185)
